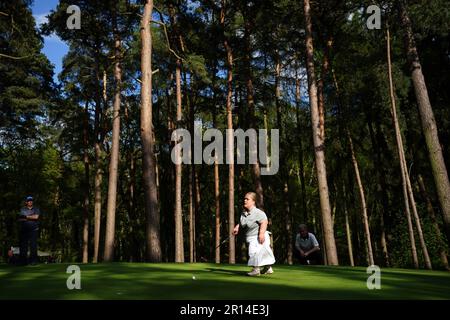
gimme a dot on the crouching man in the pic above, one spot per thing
(307, 247)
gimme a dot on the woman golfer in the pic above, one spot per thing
(257, 237)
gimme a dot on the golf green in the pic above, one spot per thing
(213, 281)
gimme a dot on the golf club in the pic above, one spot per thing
(225, 240)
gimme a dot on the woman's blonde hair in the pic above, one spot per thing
(253, 196)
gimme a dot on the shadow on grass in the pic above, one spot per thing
(215, 282)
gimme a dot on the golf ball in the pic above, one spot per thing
(193, 277)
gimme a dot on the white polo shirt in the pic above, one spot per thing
(251, 221)
(306, 244)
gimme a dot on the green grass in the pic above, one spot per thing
(174, 281)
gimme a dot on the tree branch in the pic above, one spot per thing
(165, 33)
(15, 58)
(153, 72)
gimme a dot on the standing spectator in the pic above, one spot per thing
(29, 229)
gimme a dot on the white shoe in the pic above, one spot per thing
(267, 270)
(254, 272)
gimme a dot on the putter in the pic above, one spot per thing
(226, 239)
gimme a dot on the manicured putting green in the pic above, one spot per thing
(176, 281)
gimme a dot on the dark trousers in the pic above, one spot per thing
(313, 258)
(28, 236)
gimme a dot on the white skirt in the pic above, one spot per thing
(260, 254)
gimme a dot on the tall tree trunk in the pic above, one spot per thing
(191, 215)
(156, 170)
(417, 218)
(320, 87)
(288, 222)
(301, 161)
(401, 155)
(383, 241)
(319, 146)
(193, 195)
(324, 247)
(251, 119)
(98, 148)
(230, 152)
(284, 169)
(216, 183)
(200, 241)
(430, 209)
(193, 180)
(381, 190)
(197, 203)
(114, 160)
(428, 121)
(179, 247)
(135, 251)
(408, 180)
(193, 183)
(56, 226)
(408, 217)
(241, 251)
(230, 140)
(363, 202)
(266, 127)
(153, 253)
(178, 213)
(86, 186)
(217, 208)
(348, 230)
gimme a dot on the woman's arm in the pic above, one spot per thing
(262, 230)
(242, 223)
(236, 229)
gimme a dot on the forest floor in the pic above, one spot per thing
(166, 281)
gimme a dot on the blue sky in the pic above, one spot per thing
(54, 47)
